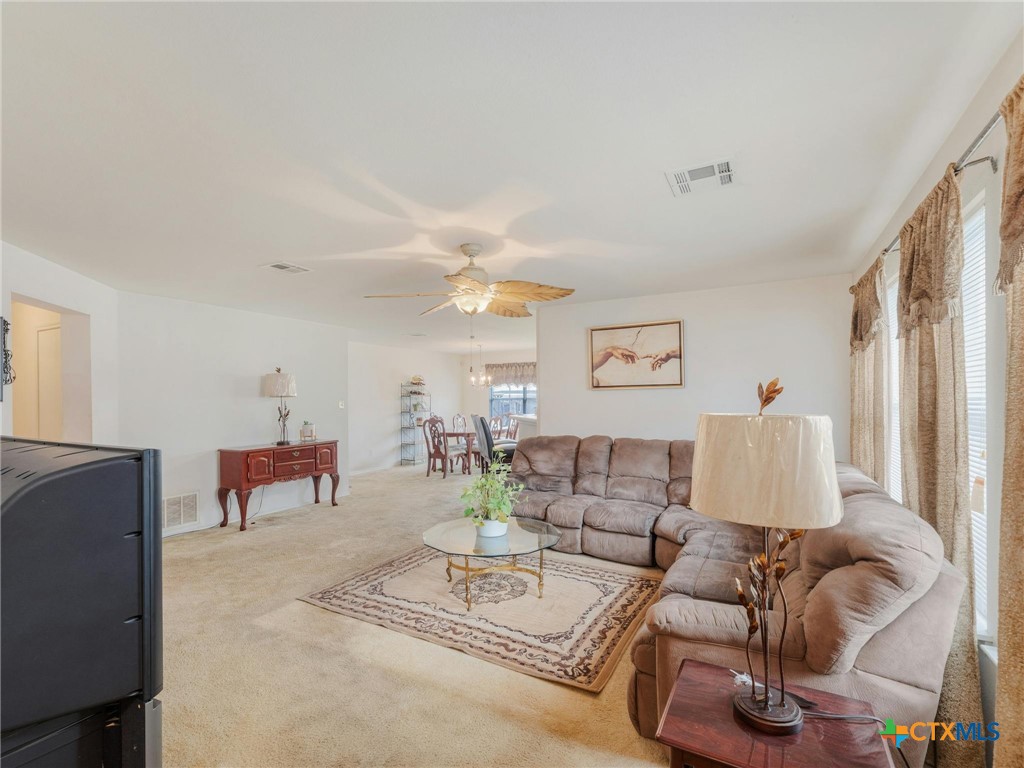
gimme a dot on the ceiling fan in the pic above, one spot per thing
(472, 293)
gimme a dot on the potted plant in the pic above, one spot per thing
(307, 431)
(490, 500)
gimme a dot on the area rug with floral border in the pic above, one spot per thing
(575, 634)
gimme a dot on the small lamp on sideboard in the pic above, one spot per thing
(777, 473)
(280, 385)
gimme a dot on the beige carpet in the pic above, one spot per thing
(254, 677)
(574, 635)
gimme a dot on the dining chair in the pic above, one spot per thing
(438, 450)
(459, 425)
(495, 426)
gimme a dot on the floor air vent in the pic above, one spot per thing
(181, 510)
(700, 178)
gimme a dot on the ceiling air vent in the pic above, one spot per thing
(284, 266)
(700, 178)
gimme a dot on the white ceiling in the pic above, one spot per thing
(172, 149)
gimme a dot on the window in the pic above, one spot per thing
(975, 291)
(895, 471)
(508, 399)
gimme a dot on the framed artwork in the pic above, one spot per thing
(640, 355)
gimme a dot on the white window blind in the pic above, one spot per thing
(974, 286)
(895, 471)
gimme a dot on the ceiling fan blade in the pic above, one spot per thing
(508, 308)
(437, 307)
(466, 283)
(404, 295)
(523, 290)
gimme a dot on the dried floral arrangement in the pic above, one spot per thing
(768, 394)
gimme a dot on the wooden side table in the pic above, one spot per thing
(699, 726)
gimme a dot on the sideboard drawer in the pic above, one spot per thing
(294, 454)
(285, 468)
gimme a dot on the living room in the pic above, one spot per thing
(570, 220)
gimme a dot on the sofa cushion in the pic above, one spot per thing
(724, 545)
(545, 463)
(534, 504)
(678, 522)
(638, 471)
(703, 579)
(592, 465)
(567, 511)
(852, 481)
(634, 518)
(680, 470)
(861, 574)
(618, 547)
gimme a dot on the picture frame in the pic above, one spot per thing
(645, 355)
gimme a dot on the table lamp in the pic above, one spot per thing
(280, 385)
(777, 473)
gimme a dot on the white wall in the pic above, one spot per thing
(981, 109)
(733, 338)
(478, 399)
(190, 384)
(49, 285)
(375, 376)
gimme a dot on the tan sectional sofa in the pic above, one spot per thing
(872, 601)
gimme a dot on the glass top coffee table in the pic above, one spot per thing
(460, 538)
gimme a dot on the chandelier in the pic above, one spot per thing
(476, 379)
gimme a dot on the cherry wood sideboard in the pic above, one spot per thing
(242, 469)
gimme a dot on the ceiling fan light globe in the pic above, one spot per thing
(471, 303)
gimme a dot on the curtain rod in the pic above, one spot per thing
(963, 163)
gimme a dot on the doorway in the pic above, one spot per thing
(52, 390)
(36, 352)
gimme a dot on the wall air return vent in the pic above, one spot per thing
(700, 178)
(284, 266)
(181, 510)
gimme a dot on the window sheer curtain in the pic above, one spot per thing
(1009, 750)
(933, 428)
(511, 374)
(869, 375)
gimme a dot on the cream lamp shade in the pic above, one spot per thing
(770, 471)
(278, 385)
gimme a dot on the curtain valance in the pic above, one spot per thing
(932, 258)
(868, 307)
(511, 374)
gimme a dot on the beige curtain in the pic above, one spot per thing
(933, 428)
(869, 375)
(1009, 750)
(512, 374)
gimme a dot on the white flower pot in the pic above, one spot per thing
(493, 528)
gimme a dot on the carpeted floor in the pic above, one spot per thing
(255, 677)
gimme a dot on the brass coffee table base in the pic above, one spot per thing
(513, 566)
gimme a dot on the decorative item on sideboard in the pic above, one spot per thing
(307, 431)
(776, 473)
(280, 385)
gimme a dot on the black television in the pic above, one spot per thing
(81, 648)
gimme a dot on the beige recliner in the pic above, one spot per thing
(872, 607)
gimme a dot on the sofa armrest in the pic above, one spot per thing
(704, 621)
